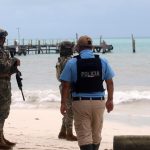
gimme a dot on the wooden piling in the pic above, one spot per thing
(100, 42)
(15, 43)
(133, 44)
(39, 46)
(22, 41)
(31, 42)
(7, 42)
(131, 142)
(77, 37)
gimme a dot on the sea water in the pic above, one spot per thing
(131, 81)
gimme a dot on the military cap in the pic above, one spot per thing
(3, 33)
(66, 48)
(66, 44)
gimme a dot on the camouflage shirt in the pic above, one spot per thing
(60, 65)
(7, 64)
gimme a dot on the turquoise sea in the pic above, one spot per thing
(132, 75)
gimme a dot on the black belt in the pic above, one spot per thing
(4, 78)
(87, 98)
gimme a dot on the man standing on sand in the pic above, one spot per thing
(85, 73)
(8, 66)
(66, 131)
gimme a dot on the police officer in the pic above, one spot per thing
(8, 66)
(86, 73)
(66, 132)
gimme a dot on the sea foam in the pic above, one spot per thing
(43, 98)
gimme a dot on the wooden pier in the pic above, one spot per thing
(46, 48)
(41, 49)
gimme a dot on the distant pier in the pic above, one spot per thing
(43, 47)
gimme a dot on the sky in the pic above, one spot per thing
(59, 19)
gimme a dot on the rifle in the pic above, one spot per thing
(18, 79)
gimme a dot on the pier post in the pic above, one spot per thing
(31, 42)
(133, 44)
(100, 42)
(77, 37)
(39, 46)
(23, 42)
(28, 50)
(7, 42)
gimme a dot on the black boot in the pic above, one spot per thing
(96, 146)
(70, 136)
(62, 133)
(8, 142)
(3, 144)
(86, 147)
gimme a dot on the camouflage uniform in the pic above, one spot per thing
(67, 120)
(7, 68)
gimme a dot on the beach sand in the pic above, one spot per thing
(38, 128)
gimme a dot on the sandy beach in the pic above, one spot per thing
(38, 128)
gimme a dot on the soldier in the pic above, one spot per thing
(8, 66)
(66, 50)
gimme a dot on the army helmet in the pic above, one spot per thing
(3, 33)
(66, 48)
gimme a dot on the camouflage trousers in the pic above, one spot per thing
(5, 100)
(67, 119)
